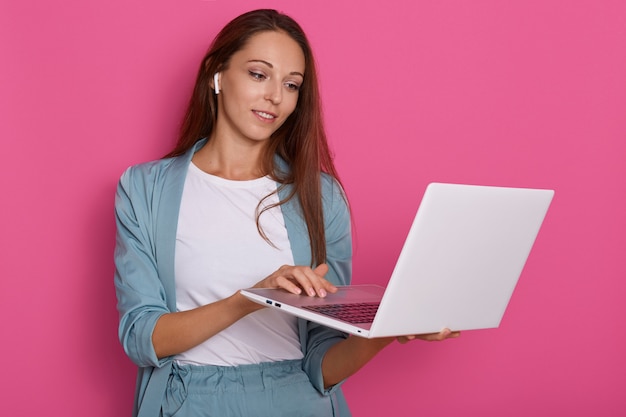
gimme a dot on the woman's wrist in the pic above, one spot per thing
(241, 303)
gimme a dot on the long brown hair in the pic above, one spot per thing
(301, 140)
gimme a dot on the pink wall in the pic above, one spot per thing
(526, 93)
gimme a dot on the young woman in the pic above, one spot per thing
(249, 197)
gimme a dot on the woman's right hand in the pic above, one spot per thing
(300, 279)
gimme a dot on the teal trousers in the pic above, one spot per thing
(274, 389)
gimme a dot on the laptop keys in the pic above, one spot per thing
(350, 313)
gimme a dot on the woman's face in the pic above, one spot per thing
(259, 89)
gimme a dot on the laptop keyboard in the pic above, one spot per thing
(351, 313)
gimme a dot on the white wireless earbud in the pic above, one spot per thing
(216, 83)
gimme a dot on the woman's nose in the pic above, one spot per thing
(274, 92)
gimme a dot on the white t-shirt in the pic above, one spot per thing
(220, 251)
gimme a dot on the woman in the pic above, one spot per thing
(249, 197)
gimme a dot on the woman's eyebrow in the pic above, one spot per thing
(272, 66)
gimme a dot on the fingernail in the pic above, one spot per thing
(322, 293)
(311, 292)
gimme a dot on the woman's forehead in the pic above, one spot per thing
(275, 48)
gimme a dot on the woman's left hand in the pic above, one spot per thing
(430, 337)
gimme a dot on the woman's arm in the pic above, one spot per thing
(348, 356)
(178, 332)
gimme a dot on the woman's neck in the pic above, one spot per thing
(231, 160)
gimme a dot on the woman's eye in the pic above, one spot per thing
(292, 86)
(256, 75)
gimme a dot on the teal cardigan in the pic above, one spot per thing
(147, 205)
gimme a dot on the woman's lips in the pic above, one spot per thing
(264, 116)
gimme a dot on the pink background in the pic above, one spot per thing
(520, 93)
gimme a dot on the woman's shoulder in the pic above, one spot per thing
(154, 170)
(150, 170)
(150, 176)
(331, 186)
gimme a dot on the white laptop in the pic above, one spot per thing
(458, 267)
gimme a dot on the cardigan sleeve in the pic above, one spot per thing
(317, 338)
(140, 293)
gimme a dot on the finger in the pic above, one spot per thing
(308, 280)
(430, 337)
(448, 334)
(321, 270)
(405, 339)
(436, 337)
(286, 284)
(322, 285)
(312, 281)
(444, 334)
